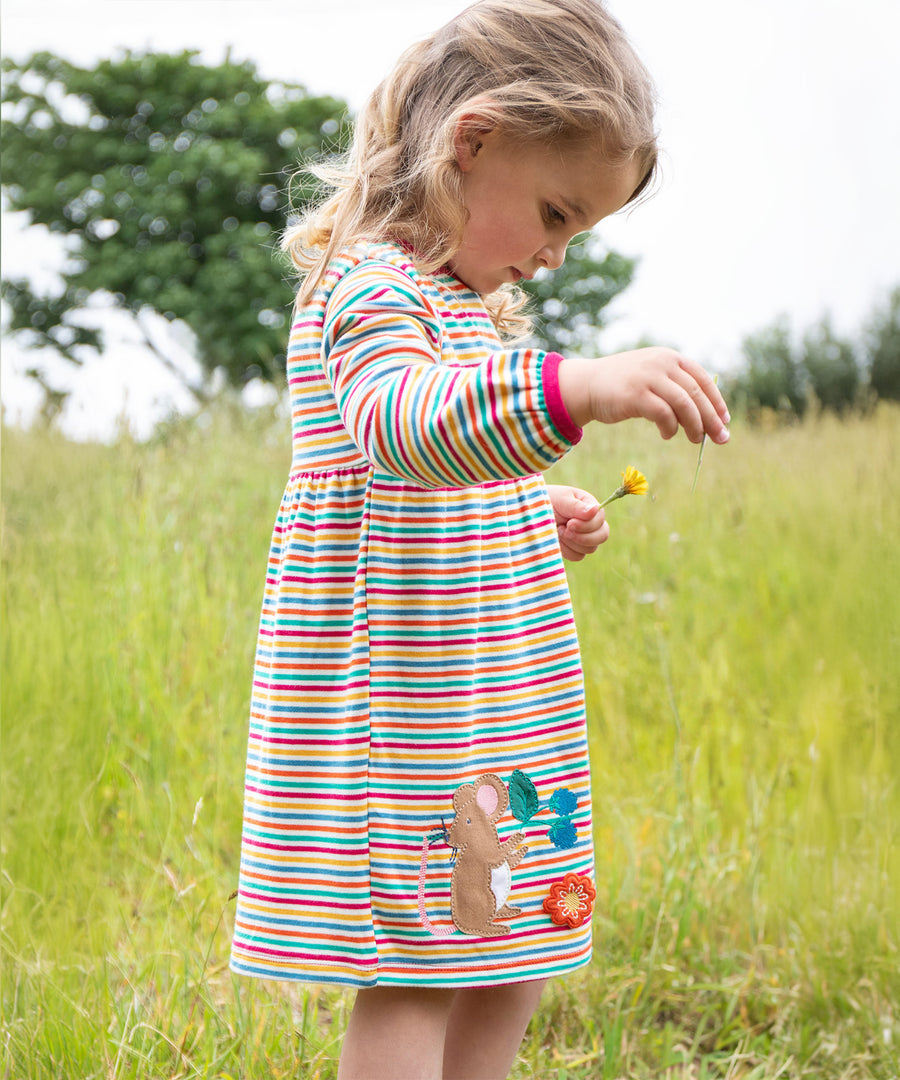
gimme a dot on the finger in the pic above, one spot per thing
(710, 421)
(654, 406)
(580, 548)
(586, 506)
(708, 398)
(691, 406)
(584, 530)
(709, 387)
(592, 518)
(568, 552)
(585, 541)
(572, 503)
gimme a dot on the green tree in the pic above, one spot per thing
(773, 377)
(830, 362)
(567, 304)
(167, 178)
(882, 342)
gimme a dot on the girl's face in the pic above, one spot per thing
(527, 201)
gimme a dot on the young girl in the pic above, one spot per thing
(418, 811)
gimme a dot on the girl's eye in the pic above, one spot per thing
(554, 216)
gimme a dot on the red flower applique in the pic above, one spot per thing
(571, 900)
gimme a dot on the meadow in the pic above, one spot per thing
(741, 652)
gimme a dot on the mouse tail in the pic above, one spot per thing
(435, 931)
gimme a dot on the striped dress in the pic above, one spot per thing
(417, 801)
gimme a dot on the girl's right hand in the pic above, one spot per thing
(657, 384)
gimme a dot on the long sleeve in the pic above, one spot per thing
(412, 414)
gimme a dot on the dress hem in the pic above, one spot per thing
(464, 981)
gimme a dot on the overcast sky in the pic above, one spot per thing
(780, 122)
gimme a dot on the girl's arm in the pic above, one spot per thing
(657, 384)
(433, 423)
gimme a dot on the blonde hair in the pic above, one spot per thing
(544, 71)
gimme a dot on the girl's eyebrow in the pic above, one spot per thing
(574, 208)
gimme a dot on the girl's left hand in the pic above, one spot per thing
(581, 524)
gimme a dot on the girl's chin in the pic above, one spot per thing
(484, 283)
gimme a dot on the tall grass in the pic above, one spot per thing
(741, 665)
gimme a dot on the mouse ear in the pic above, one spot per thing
(491, 795)
(463, 796)
(487, 798)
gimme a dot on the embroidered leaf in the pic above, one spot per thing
(563, 801)
(523, 797)
(562, 833)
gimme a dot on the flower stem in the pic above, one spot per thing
(617, 494)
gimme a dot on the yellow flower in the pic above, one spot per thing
(633, 483)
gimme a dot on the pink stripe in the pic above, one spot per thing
(467, 590)
(481, 639)
(494, 740)
(426, 519)
(316, 958)
(361, 740)
(466, 690)
(559, 414)
(310, 902)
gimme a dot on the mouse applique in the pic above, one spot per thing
(482, 873)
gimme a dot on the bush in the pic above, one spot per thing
(831, 367)
(840, 375)
(882, 338)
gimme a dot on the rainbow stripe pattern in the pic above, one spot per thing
(416, 633)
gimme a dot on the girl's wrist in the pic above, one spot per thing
(574, 377)
(559, 412)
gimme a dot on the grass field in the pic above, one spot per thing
(741, 654)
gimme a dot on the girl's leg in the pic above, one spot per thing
(396, 1032)
(485, 1030)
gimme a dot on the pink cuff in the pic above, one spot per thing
(556, 407)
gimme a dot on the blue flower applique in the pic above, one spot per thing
(525, 804)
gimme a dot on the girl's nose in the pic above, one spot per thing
(552, 256)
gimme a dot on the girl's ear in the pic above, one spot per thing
(468, 139)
